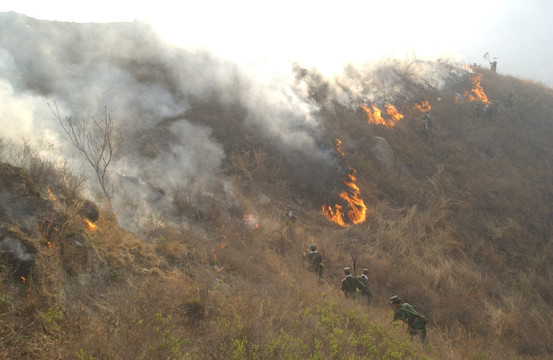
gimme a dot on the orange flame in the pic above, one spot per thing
(357, 212)
(477, 93)
(424, 106)
(90, 225)
(51, 195)
(339, 147)
(375, 115)
(393, 113)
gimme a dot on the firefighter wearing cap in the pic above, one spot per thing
(315, 260)
(405, 312)
(350, 284)
(364, 279)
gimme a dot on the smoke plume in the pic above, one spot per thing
(150, 88)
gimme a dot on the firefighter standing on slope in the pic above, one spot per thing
(365, 290)
(315, 260)
(426, 122)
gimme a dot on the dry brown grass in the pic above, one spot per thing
(460, 228)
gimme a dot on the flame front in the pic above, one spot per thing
(477, 93)
(357, 210)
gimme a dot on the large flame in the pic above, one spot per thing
(374, 115)
(477, 93)
(356, 212)
(424, 106)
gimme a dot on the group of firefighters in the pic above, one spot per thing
(359, 286)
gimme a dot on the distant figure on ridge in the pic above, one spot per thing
(416, 323)
(493, 64)
(315, 260)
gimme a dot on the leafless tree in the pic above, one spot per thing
(93, 139)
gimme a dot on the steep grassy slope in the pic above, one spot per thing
(459, 226)
(193, 258)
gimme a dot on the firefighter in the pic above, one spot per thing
(365, 290)
(315, 260)
(350, 284)
(428, 118)
(290, 216)
(510, 99)
(425, 123)
(416, 323)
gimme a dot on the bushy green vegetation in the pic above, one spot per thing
(460, 227)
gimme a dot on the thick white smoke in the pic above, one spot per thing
(149, 88)
(391, 81)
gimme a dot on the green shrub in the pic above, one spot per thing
(6, 302)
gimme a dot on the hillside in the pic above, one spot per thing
(188, 254)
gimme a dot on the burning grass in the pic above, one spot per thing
(353, 212)
(374, 114)
(353, 209)
(444, 233)
(477, 92)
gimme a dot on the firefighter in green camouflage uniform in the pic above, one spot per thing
(315, 260)
(365, 290)
(350, 284)
(405, 312)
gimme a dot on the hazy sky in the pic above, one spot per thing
(519, 33)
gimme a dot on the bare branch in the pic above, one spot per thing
(93, 139)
